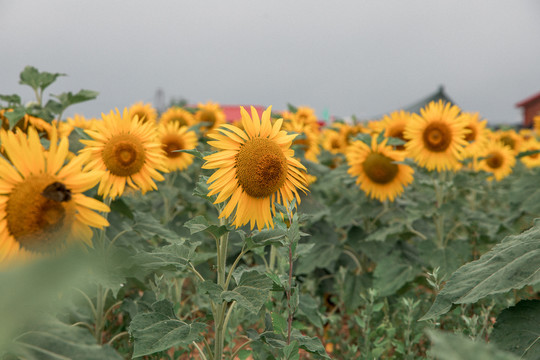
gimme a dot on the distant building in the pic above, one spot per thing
(531, 108)
(440, 94)
(232, 112)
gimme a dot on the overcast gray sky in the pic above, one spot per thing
(362, 57)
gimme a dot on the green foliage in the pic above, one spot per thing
(454, 347)
(251, 292)
(512, 264)
(517, 330)
(160, 330)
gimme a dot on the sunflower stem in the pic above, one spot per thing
(438, 217)
(220, 310)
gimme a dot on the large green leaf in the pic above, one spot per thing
(448, 346)
(160, 330)
(200, 223)
(518, 330)
(173, 257)
(252, 291)
(512, 264)
(148, 227)
(53, 339)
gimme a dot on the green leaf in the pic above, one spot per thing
(119, 205)
(279, 323)
(30, 76)
(518, 330)
(160, 330)
(173, 257)
(291, 351)
(448, 346)
(13, 99)
(47, 78)
(193, 152)
(52, 339)
(14, 116)
(212, 289)
(266, 237)
(292, 108)
(310, 344)
(392, 273)
(512, 264)
(309, 307)
(252, 291)
(200, 223)
(148, 226)
(68, 98)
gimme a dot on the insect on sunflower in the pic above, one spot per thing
(42, 205)
(255, 168)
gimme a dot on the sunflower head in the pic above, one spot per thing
(477, 135)
(145, 112)
(498, 159)
(177, 115)
(174, 137)
(436, 137)
(509, 138)
(532, 160)
(255, 168)
(210, 113)
(41, 201)
(394, 125)
(128, 149)
(376, 170)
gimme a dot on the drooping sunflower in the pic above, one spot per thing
(498, 158)
(145, 112)
(175, 137)
(376, 170)
(436, 137)
(532, 160)
(42, 205)
(128, 150)
(477, 137)
(177, 115)
(255, 168)
(210, 113)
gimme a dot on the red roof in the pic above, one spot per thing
(232, 112)
(529, 100)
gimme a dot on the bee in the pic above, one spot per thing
(57, 191)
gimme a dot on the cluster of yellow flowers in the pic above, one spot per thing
(43, 208)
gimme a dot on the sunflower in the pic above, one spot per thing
(394, 125)
(306, 116)
(333, 141)
(498, 158)
(255, 169)
(477, 137)
(532, 160)
(42, 206)
(145, 112)
(210, 113)
(308, 140)
(536, 124)
(177, 115)
(437, 136)
(128, 150)
(509, 138)
(79, 121)
(376, 170)
(175, 137)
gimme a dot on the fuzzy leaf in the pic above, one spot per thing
(518, 330)
(251, 292)
(200, 223)
(511, 264)
(160, 330)
(448, 346)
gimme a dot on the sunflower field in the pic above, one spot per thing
(183, 234)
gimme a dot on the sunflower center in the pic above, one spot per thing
(261, 167)
(170, 143)
(495, 160)
(471, 136)
(37, 217)
(124, 155)
(208, 116)
(437, 136)
(335, 144)
(507, 140)
(380, 168)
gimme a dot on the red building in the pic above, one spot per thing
(531, 108)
